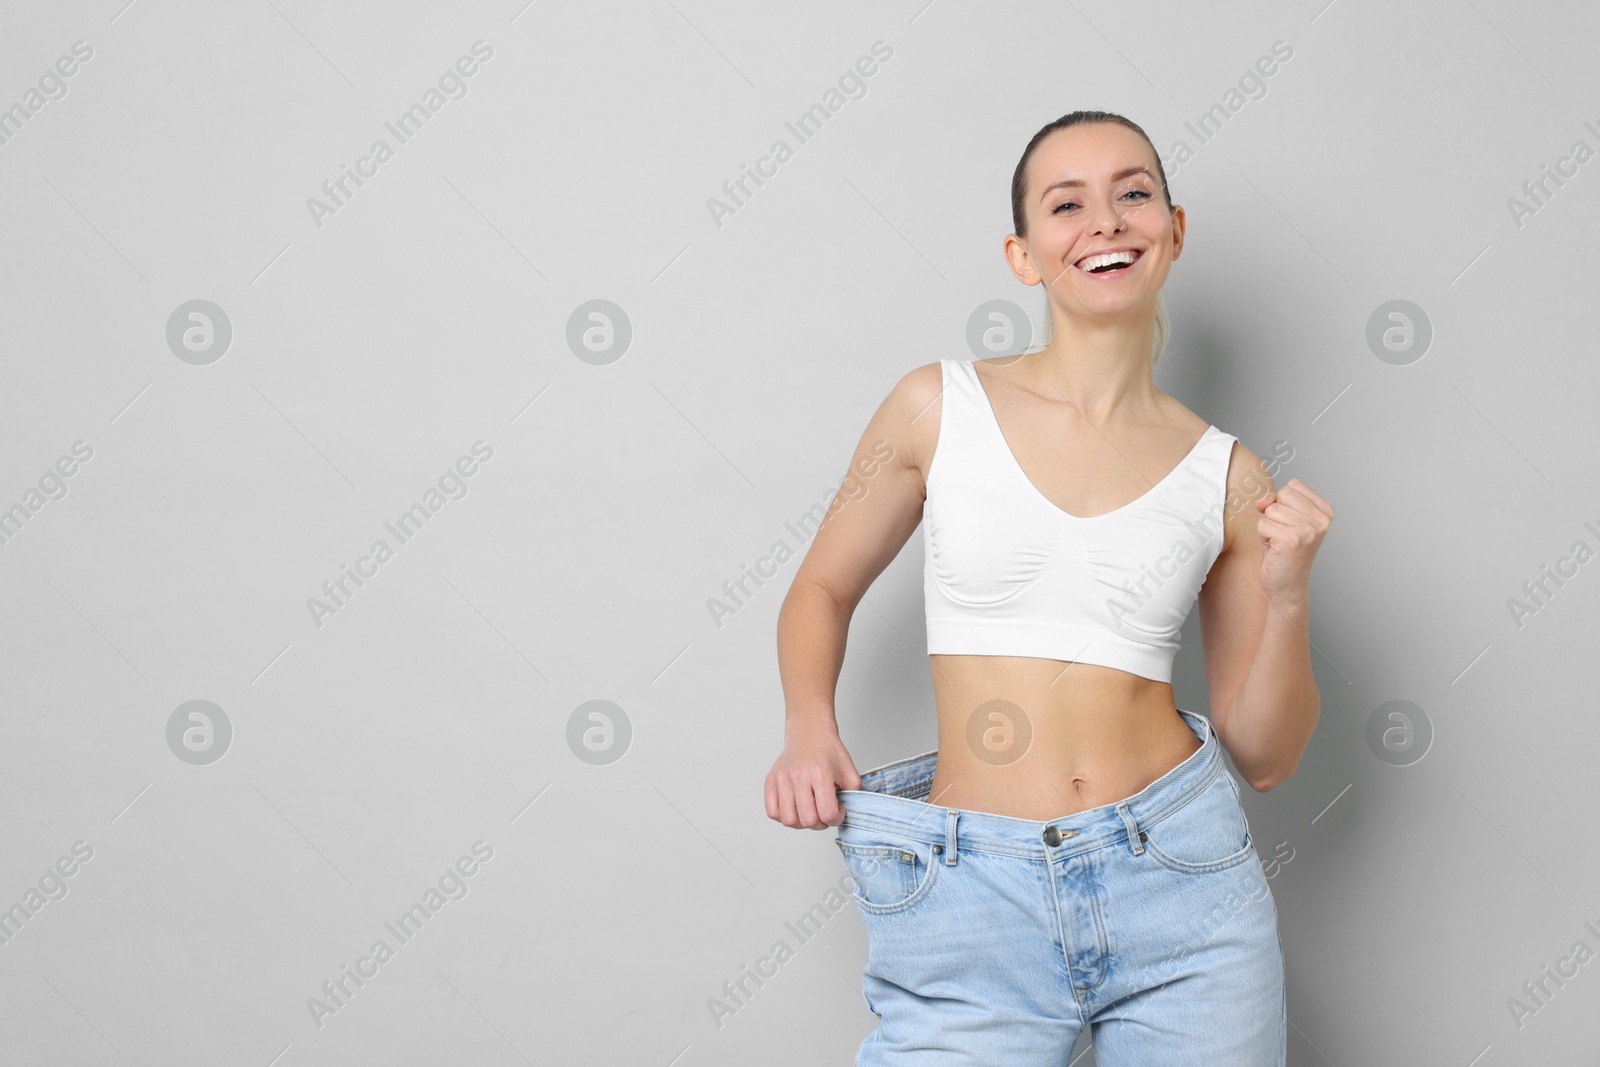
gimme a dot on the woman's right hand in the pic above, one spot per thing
(802, 783)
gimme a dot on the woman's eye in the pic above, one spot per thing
(1059, 208)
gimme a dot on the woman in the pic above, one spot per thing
(1074, 853)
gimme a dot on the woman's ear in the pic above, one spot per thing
(1018, 259)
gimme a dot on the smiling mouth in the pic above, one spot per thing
(1109, 262)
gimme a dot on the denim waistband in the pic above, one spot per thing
(893, 799)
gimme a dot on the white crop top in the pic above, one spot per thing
(1007, 573)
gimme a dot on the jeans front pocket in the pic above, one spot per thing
(889, 874)
(1208, 833)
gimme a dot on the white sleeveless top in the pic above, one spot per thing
(1007, 573)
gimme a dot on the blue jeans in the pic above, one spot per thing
(993, 940)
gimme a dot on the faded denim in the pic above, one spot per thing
(994, 940)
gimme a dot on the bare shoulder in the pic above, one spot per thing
(911, 413)
(921, 387)
(1249, 479)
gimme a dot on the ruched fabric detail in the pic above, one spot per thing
(1007, 573)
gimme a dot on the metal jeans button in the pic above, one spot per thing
(1054, 836)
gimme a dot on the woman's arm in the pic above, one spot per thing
(866, 525)
(1255, 617)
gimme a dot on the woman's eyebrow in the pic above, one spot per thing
(1070, 182)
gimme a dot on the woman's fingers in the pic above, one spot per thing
(805, 805)
(828, 805)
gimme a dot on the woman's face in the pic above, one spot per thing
(1092, 188)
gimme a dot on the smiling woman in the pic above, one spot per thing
(1141, 187)
(1034, 875)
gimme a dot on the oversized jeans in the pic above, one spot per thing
(993, 940)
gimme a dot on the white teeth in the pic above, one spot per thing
(1120, 258)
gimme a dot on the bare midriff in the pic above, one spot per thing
(1040, 739)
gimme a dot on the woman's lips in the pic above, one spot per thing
(1117, 273)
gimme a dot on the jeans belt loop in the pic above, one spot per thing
(950, 837)
(1133, 828)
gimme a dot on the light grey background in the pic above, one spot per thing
(432, 311)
